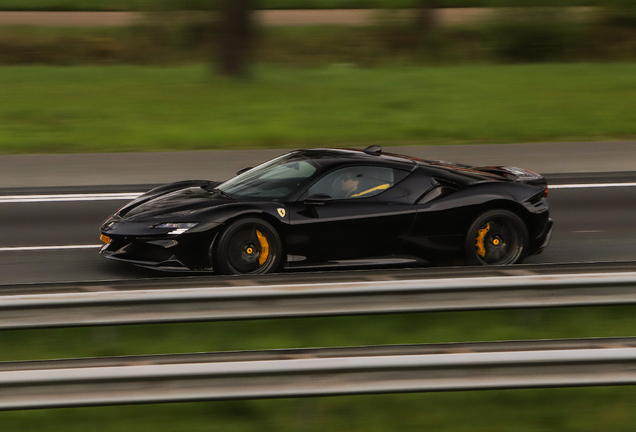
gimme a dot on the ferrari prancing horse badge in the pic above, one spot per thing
(281, 212)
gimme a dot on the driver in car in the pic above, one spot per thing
(349, 184)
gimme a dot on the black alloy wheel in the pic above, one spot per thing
(497, 237)
(247, 246)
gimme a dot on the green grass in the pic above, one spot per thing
(585, 409)
(551, 410)
(127, 108)
(318, 332)
(270, 4)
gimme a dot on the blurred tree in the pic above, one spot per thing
(236, 37)
(425, 15)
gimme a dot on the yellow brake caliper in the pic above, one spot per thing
(480, 241)
(264, 247)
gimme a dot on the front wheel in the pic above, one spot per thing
(247, 246)
(497, 237)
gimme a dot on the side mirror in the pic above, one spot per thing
(317, 200)
(239, 172)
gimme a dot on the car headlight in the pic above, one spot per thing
(176, 227)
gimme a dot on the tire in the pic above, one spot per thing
(247, 246)
(497, 237)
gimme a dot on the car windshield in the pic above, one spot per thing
(274, 179)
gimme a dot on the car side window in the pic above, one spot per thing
(355, 182)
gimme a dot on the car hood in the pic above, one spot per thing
(179, 204)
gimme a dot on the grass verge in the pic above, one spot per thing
(130, 108)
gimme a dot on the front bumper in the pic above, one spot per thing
(144, 253)
(183, 252)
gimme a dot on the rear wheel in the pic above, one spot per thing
(497, 237)
(247, 246)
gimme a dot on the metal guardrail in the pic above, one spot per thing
(294, 373)
(305, 300)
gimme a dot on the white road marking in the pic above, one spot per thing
(68, 197)
(41, 248)
(590, 185)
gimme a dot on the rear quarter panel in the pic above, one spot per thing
(441, 224)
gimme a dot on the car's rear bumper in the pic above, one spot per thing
(543, 240)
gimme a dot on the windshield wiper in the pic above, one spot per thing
(220, 192)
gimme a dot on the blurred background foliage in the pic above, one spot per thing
(143, 5)
(621, 12)
(514, 35)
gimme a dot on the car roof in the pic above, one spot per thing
(328, 157)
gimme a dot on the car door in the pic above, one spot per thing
(441, 221)
(335, 221)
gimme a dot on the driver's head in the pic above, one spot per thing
(349, 182)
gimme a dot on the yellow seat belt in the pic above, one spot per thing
(381, 187)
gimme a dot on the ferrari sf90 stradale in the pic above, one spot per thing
(319, 206)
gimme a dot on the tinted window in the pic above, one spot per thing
(355, 182)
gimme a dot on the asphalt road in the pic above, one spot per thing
(591, 225)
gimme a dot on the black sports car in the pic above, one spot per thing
(324, 205)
